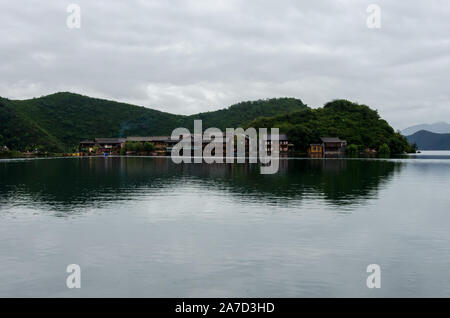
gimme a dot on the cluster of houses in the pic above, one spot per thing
(164, 144)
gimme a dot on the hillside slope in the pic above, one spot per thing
(427, 140)
(57, 122)
(358, 124)
(241, 113)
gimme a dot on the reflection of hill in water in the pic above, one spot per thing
(64, 184)
(340, 182)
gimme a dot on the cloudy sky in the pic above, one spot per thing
(187, 56)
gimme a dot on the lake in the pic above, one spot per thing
(146, 227)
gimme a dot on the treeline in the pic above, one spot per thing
(361, 126)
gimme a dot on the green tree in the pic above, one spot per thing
(352, 150)
(149, 147)
(134, 146)
(384, 150)
(139, 146)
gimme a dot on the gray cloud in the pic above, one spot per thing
(186, 56)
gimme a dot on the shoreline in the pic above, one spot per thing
(423, 154)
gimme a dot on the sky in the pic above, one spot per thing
(188, 56)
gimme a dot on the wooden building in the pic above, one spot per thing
(164, 144)
(109, 145)
(315, 149)
(333, 145)
(103, 145)
(283, 140)
(87, 146)
(329, 146)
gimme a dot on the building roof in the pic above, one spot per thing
(281, 137)
(109, 140)
(149, 138)
(138, 138)
(166, 139)
(87, 142)
(331, 139)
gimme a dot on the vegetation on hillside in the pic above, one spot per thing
(237, 115)
(19, 132)
(59, 121)
(361, 126)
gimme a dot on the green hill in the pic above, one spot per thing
(57, 122)
(358, 124)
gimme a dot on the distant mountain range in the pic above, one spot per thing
(427, 140)
(438, 128)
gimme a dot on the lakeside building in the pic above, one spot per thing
(329, 146)
(284, 144)
(114, 145)
(315, 149)
(163, 144)
(87, 146)
(210, 138)
(103, 145)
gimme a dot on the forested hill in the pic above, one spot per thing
(239, 114)
(57, 122)
(358, 124)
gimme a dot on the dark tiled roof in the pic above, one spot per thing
(280, 137)
(331, 139)
(109, 140)
(87, 142)
(138, 138)
(149, 138)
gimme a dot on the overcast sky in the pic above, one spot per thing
(188, 56)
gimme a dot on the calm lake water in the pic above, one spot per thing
(145, 227)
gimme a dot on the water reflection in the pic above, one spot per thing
(67, 184)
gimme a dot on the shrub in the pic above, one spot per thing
(149, 147)
(384, 150)
(352, 150)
